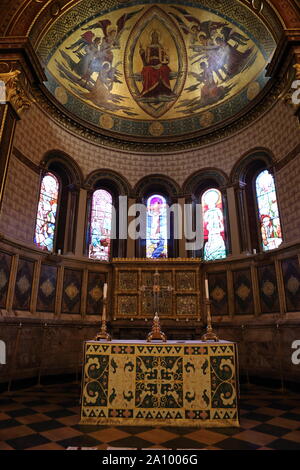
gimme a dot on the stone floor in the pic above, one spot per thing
(47, 418)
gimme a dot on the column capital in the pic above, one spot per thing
(15, 91)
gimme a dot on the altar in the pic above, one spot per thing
(177, 383)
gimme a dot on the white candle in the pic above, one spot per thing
(206, 288)
(105, 291)
(254, 251)
(59, 252)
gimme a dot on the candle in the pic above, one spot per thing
(59, 252)
(206, 288)
(105, 291)
(254, 251)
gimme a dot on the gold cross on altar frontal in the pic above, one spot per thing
(156, 289)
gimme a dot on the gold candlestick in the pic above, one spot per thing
(103, 334)
(156, 332)
(209, 335)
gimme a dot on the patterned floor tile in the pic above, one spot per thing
(158, 436)
(255, 437)
(131, 441)
(79, 441)
(14, 432)
(237, 444)
(61, 434)
(248, 423)
(293, 436)
(205, 436)
(183, 442)
(285, 423)
(270, 411)
(284, 444)
(46, 425)
(267, 428)
(26, 442)
(108, 435)
(48, 418)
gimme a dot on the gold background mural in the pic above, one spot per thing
(147, 62)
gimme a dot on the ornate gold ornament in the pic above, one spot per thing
(15, 91)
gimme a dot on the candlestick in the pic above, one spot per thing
(156, 332)
(209, 335)
(105, 290)
(103, 334)
(206, 289)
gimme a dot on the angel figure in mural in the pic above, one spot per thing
(156, 71)
(210, 91)
(112, 36)
(94, 72)
(86, 39)
(205, 28)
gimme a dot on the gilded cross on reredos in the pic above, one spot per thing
(156, 290)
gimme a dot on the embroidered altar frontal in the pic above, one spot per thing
(175, 383)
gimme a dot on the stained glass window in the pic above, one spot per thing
(157, 232)
(47, 211)
(100, 226)
(213, 225)
(268, 211)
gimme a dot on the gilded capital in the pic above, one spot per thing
(15, 92)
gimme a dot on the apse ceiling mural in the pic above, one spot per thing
(156, 70)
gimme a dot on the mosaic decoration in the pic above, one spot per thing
(71, 291)
(101, 225)
(218, 293)
(157, 230)
(269, 299)
(186, 305)
(23, 285)
(167, 384)
(128, 280)
(185, 280)
(94, 301)
(47, 289)
(268, 211)
(243, 293)
(127, 305)
(164, 70)
(46, 215)
(5, 265)
(291, 279)
(213, 225)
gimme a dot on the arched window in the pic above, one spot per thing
(213, 225)
(269, 221)
(157, 229)
(101, 225)
(47, 212)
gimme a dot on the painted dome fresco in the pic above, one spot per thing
(167, 70)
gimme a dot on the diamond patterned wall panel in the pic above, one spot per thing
(243, 293)
(268, 289)
(23, 285)
(94, 303)
(47, 289)
(218, 293)
(71, 291)
(5, 265)
(291, 278)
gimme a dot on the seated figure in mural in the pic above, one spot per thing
(156, 71)
(214, 248)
